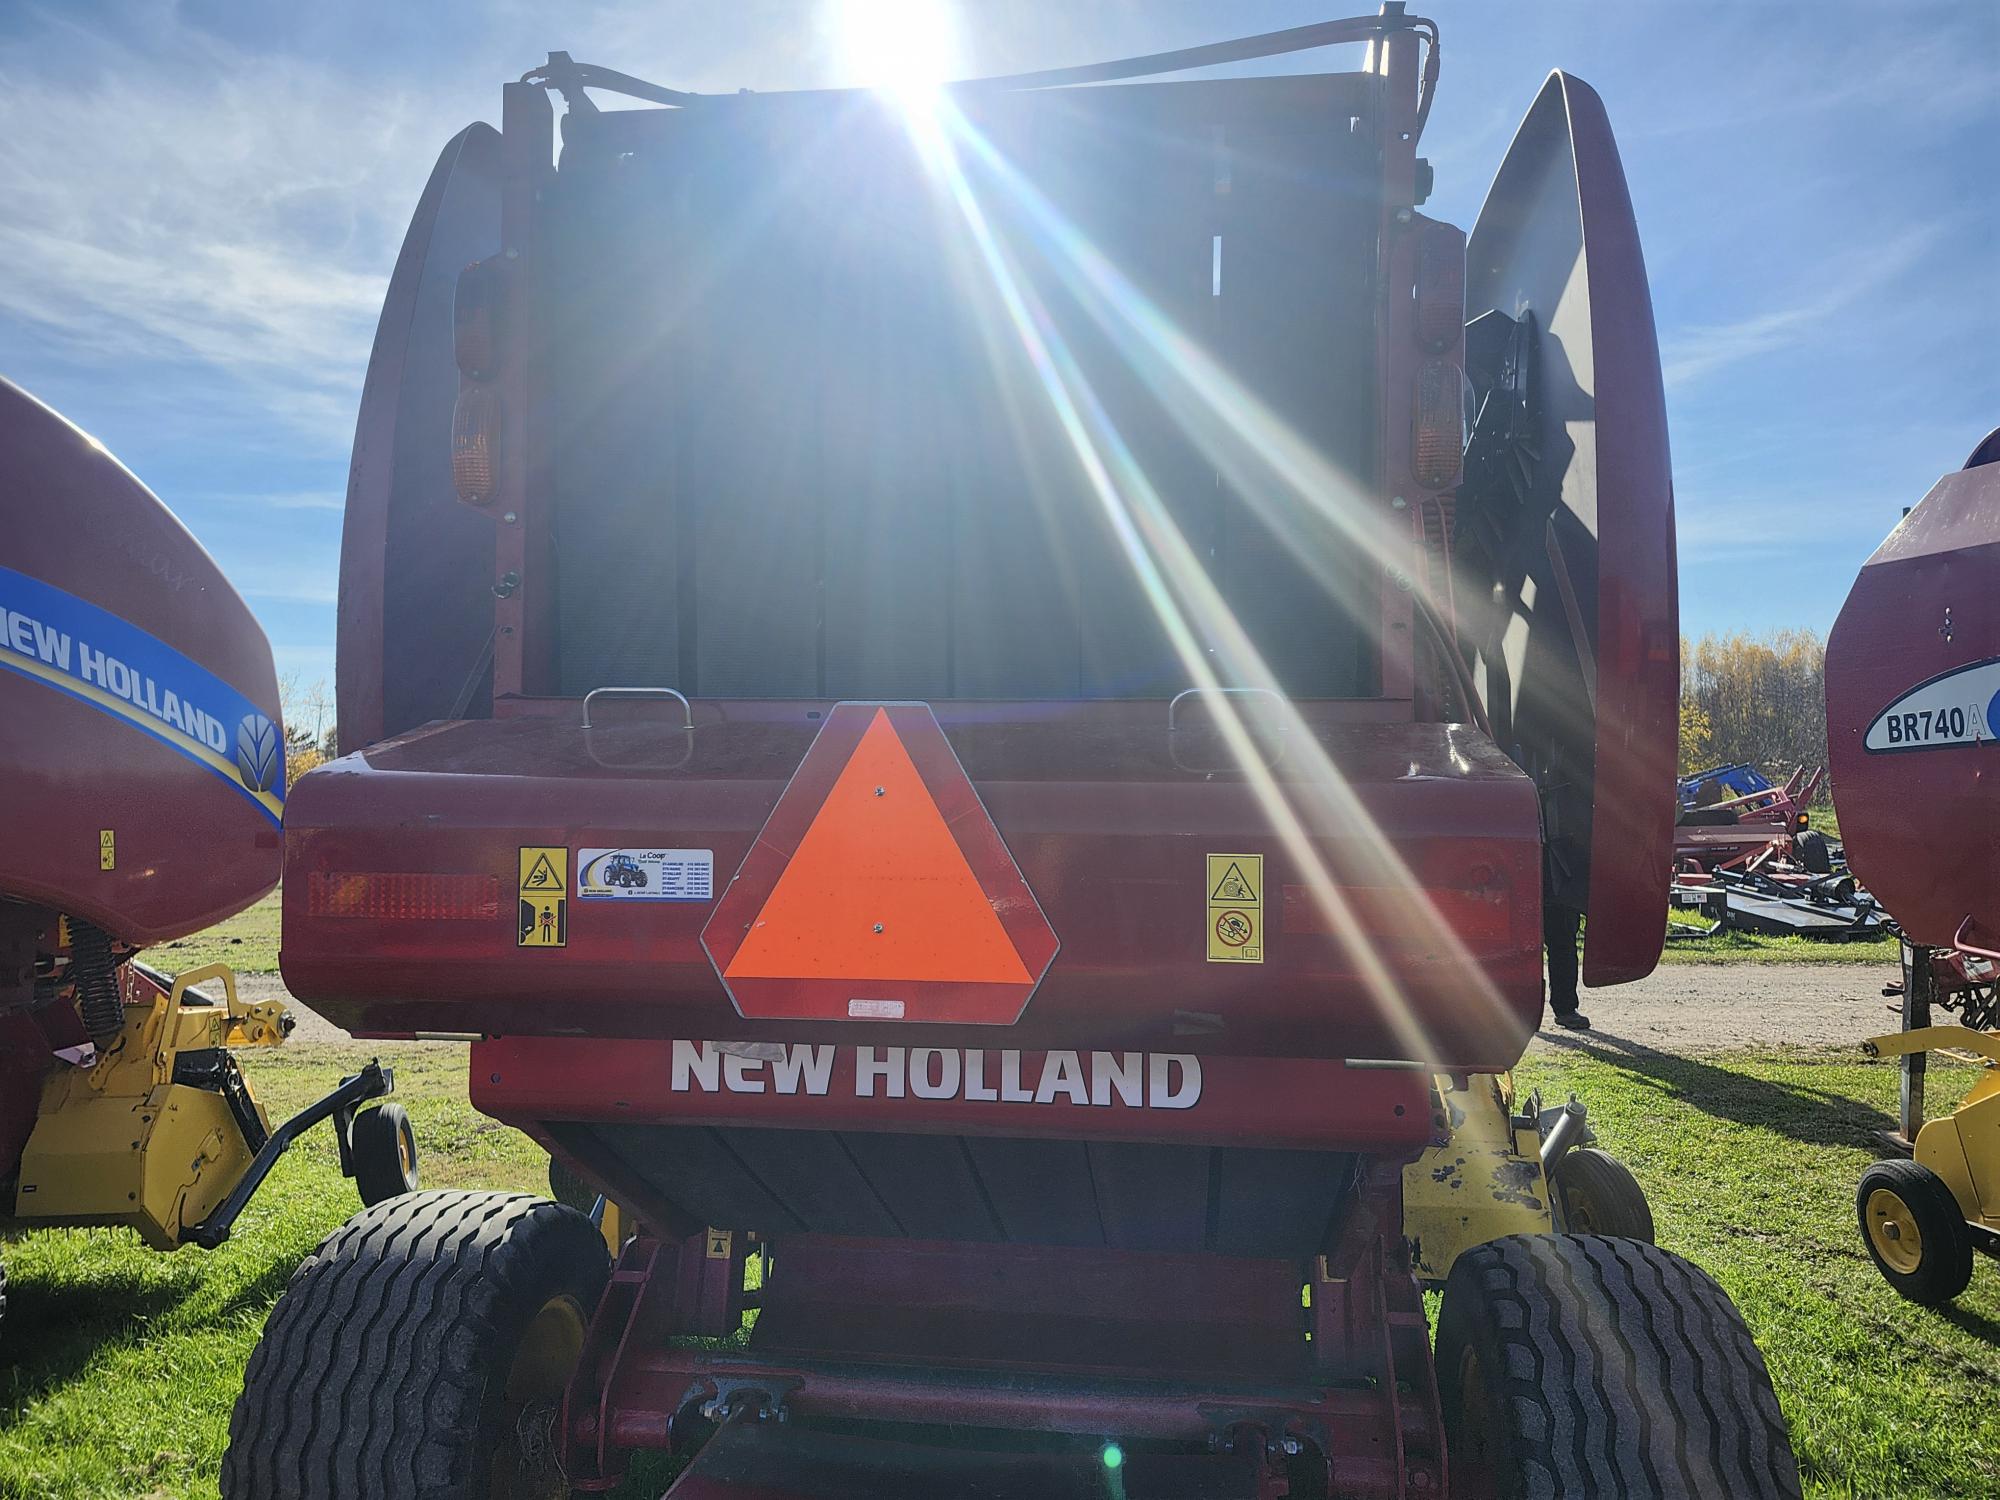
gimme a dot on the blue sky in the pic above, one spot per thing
(205, 199)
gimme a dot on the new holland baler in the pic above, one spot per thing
(1913, 720)
(1098, 627)
(142, 785)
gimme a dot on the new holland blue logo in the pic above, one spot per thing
(257, 760)
(74, 647)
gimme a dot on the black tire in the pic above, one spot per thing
(1809, 844)
(385, 1369)
(383, 1147)
(1575, 1365)
(1600, 1195)
(565, 1186)
(1936, 1266)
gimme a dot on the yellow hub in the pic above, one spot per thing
(1892, 1230)
(524, 1465)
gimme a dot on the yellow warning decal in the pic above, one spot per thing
(1235, 908)
(719, 1241)
(107, 849)
(544, 897)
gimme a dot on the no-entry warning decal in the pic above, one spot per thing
(879, 888)
(544, 892)
(1235, 908)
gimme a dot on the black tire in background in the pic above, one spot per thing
(1810, 846)
(1573, 1366)
(420, 1354)
(1929, 1258)
(1600, 1195)
(565, 1186)
(383, 1147)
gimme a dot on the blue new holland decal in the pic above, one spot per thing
(89, 653)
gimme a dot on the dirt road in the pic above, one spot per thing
(1680, 1008)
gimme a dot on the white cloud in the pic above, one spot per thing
(172, 199)
(1689, 354)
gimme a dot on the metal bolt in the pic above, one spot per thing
(510, 518)
(878, 926)
(879, 792)
(1397, 502)
(1403, 215)
(1291, 1447)
(1402, 581)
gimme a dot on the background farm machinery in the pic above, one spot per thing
(141, 785)
(1747, 859)
(1913, 714)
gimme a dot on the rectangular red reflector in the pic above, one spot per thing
(396, 896)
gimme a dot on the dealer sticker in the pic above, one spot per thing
(1959, 707)
(645, 874)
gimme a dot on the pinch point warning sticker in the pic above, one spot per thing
(544, 918)
(1235, 911)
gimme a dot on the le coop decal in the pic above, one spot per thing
(1959, 707)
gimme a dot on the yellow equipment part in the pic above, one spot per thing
(1485, 1181)
(122, 1143)
(1962, 1147)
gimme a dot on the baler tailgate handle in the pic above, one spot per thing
(687, 709)
(1269, 734)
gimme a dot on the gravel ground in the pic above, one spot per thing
(1680, 1009)
(1720, 1007)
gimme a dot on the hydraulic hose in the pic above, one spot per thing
(96, 978)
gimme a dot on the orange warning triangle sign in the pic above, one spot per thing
(878, 889)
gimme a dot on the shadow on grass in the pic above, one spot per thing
(54, 1329)
(1816, 1117)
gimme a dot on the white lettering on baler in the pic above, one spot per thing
(1104, 1080)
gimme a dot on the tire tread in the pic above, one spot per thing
(373, 1374)
(1615, 1368)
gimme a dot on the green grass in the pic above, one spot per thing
(118, 1366)
(1744, 947)
(247, 942)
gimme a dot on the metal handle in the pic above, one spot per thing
(1273, 736)
(1174, 708)
(687, 709)
(1959, 942)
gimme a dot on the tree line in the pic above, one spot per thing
(1754, 698)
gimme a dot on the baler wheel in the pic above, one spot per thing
(1810, 846)
(420, 1353)
(384, 1149)
(1575, 1365)
(565, 1186)
(1601, 1196)
(1915, 1231)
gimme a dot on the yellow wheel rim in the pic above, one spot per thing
(1893, 1232)
(524, 1466)
(404, 1155)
